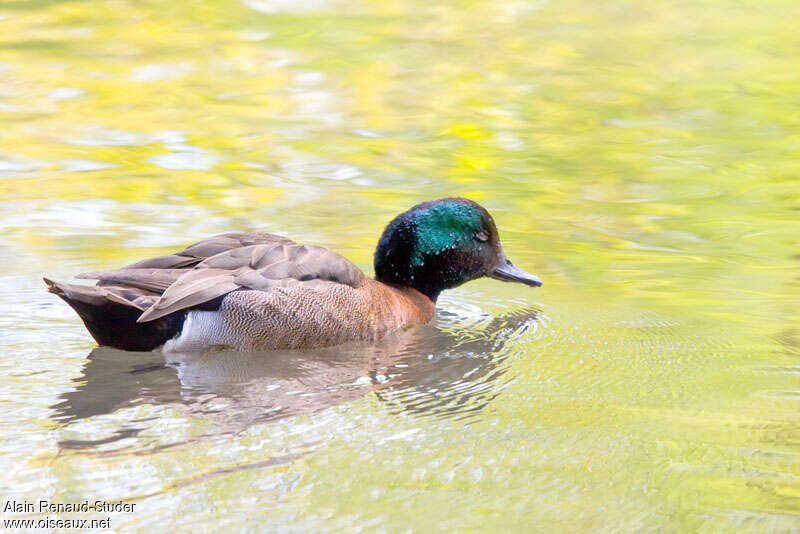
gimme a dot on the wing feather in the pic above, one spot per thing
(193, 288)
(157, 280)
(260, 267)
(194, 254)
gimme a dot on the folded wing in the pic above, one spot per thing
(219, 265)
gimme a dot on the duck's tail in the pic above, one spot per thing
(111, 319)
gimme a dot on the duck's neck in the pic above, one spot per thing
(416, 308)
(429, 294)
(394, 267)
(430, 278)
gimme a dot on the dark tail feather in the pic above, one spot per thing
(112, 323)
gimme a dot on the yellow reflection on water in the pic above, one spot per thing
(641, 158)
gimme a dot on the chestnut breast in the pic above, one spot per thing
(318, 314)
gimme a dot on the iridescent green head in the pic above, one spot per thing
(441, 244)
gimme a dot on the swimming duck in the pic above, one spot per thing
(251, 291)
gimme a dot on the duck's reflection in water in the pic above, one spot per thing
(438, 370)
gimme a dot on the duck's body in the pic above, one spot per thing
(249, 291)
(300, 317)
(303, 315)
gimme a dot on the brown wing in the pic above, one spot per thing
(194, 254)
(141, 284)
(260, 267)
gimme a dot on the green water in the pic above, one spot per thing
(642, 159)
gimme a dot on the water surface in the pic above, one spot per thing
(641, 159)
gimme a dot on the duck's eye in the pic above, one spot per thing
(482, 236)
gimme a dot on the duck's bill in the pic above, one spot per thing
(508, 272)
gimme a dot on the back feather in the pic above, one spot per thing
(258, 267)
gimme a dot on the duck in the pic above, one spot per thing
(259, 291)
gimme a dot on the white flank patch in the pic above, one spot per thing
(201, 331)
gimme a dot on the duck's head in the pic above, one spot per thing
(441, 244)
